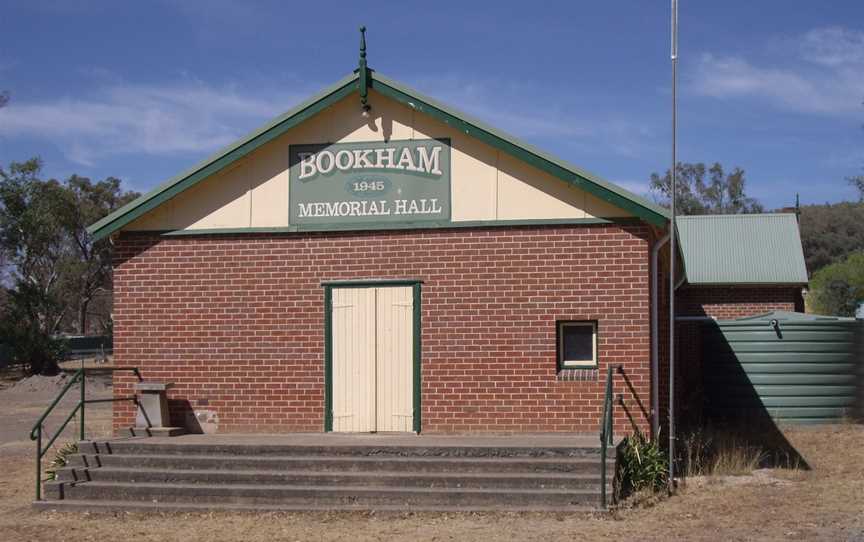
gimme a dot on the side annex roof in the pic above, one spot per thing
(578, 177)
(742, 249)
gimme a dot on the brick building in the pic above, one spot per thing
(375, 261)
(735, 266)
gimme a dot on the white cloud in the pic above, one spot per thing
(825, 75)
(527, 112)
(833, 46)
(120, 118)
(190, 116)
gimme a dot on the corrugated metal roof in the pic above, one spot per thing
(742, 249)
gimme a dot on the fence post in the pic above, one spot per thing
(39, 463)
(83, 402)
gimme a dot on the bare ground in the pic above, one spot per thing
(825, 503)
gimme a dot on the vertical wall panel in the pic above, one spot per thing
(354, 359)
(395, 359)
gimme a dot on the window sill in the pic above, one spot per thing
(581, 374)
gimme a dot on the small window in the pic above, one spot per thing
(577, 344)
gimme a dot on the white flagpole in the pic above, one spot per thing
(672, 246)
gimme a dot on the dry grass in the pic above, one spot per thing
(820, 504)
(709, 453)
(729, 451)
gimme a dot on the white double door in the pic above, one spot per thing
(373, 352)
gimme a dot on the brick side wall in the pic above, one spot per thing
(726, 303)
(236, 322)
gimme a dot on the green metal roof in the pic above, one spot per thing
(742, 249)
(603, 189)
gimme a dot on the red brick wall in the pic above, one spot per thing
(726, 303)
(236, 322)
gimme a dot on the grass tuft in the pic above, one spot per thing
(711, 451)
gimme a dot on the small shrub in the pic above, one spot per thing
(61, 459)
(643, 465)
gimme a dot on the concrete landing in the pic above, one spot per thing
(522, 440)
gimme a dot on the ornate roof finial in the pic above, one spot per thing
(363, 72)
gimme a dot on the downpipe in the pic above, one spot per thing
(655, 343)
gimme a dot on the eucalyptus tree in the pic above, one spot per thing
(53, 267)
(703, 190)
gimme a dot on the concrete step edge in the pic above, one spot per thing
(119, 447)
(77, 505)
(352, 474)
(577, 460)
(326, 489)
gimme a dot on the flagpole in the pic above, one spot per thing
(672, 246)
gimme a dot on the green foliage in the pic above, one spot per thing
(830, 233)
(26, 342)
(56, 269)
(642, 464)
(838, 289)
(858, 183)
(61, 459)
(720, 193)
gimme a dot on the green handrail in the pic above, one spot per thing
(606, 432)
(36, 432)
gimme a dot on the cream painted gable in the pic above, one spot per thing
(486, 183)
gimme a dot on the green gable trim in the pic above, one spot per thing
(400, 226)
(222, 158)
(579, 178)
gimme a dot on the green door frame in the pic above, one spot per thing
(328, 340)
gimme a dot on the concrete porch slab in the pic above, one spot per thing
(526, 440)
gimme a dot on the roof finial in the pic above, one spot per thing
(363, 72)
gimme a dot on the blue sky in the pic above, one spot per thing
(143, 90)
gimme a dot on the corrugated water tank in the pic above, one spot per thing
(792, 367)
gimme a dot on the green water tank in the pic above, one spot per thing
(789, 367)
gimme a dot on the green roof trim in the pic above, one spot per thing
(223, 158)
(744, 249)
(526, 152)
(579, 178)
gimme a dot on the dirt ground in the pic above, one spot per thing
(825, 503)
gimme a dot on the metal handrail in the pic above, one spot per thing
(606, 432)
(36, 432)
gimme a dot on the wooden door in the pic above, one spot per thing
(373, 359)
(394, 355)
(353, 321)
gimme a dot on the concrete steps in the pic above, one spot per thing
(152, 474)
(301, 494)
(339, 464)
(111, 507)
(370, 479)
